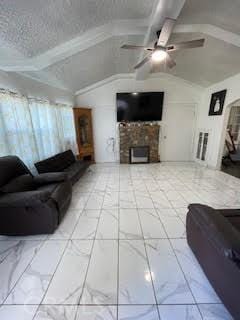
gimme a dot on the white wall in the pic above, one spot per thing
(216, 125)
(102, 99)
(33, 88)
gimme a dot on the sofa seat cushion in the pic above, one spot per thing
(230, 212)
(48, 187)
(217, 229)
(24, 199)
(50, 177)
(233, 216)
(76, 170)
(21, 183)
(59, 192)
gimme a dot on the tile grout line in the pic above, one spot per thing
(78, 302)
(169, 240)
(186, 280)
(112, 304)
(93, 240)
(118, 265)
(65, 249)
(118, 242)
(60, 260)
(180, 178)
(42, 244)
(148, 263)
(91, 251)
(31, 260)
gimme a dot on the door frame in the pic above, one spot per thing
(223, 133)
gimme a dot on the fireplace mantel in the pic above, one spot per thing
(139, 134)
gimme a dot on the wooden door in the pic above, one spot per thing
(84, 133)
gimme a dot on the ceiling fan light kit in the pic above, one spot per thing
(160, 53)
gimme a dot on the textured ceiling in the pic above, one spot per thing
(221, 13)
(216, 61)
(36, 26)
(96, 63)
(30, 28)
(203, 66)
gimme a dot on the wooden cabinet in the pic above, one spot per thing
(84, 133)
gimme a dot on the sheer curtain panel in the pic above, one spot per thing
(33, 129)
(16, 133)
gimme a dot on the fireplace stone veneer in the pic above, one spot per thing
(139, 134)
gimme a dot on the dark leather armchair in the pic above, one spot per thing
(214, 237)
(31, 205)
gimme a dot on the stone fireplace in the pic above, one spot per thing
(139, 135)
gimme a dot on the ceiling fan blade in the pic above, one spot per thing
(170, 62)
(166, 32)
(141, 63)
(186, 45)
(133, 47)
(129, 46)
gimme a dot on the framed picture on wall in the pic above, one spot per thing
(217, 103)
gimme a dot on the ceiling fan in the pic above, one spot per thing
(160, 52)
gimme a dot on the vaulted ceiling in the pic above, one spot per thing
(72, 44)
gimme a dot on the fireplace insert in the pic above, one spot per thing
(139, 154)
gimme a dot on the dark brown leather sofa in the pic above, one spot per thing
(64, 162)
(31, 205)
(214, 237)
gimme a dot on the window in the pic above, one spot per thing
(34, 130)
(202, 145)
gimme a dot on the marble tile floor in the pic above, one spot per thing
(121, 250)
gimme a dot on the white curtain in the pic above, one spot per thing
(16, 132)
(53, 127)
(66, 127)
(33, 129)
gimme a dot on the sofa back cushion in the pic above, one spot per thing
(10, 168)
(233, 216)
(223, 236)
(235, 221)
(56, 163)
(21, 183)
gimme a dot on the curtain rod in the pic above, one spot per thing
(9, 91)
(37, 99)
(2, 90)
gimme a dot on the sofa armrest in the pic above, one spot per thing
(50, 177)
(217, 229)
(24, 199)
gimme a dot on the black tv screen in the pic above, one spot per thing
(139, 106)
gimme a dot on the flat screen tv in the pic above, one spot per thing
(139, 106)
